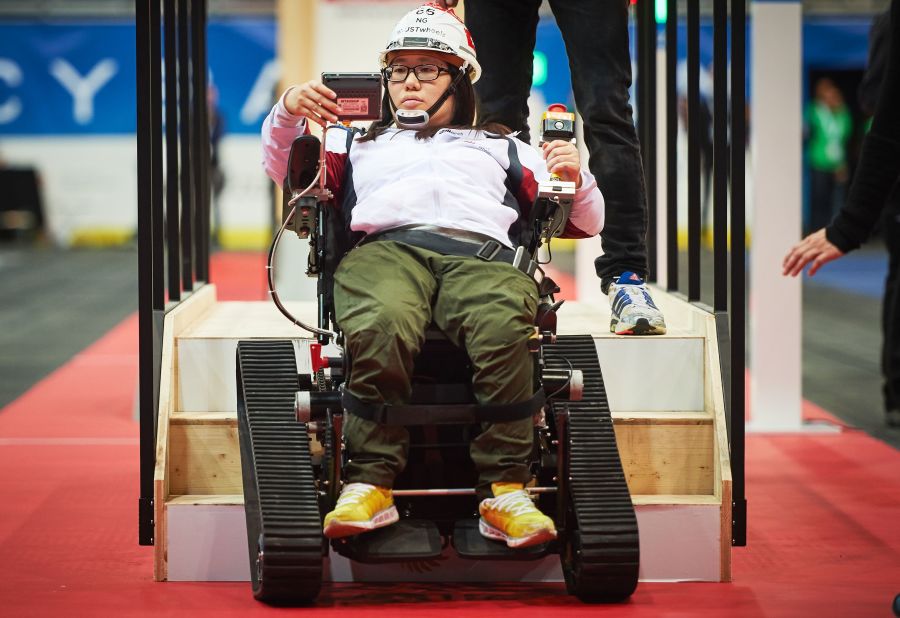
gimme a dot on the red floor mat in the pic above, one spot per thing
(824, 537)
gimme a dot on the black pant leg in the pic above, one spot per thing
(504, 33)
(890, 358)
(821, 198)
(596, 37)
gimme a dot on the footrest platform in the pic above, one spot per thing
(408, 539)
(469, 543)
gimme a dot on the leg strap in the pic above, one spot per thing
(443, 414)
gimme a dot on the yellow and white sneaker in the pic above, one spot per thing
(361, 507)
(511, 516)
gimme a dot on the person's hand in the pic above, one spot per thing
(313, 100)
(814, 248)
(563, 160)
(447, 4)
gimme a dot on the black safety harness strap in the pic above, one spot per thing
(489, 250)
(442, 414)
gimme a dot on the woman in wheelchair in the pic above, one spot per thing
(431, 191)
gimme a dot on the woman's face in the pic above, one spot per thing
(420, 94)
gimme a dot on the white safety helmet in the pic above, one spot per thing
(434, 28)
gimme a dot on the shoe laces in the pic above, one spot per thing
(354, 493)
(515, 502)
(637, 293)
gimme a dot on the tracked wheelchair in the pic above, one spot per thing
(290, 428)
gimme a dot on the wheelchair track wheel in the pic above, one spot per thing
(284, 527)
(600, 551)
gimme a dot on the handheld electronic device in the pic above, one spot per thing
(557, 195)
(557, 123)
(358, 94)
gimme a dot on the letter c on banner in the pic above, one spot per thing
(12, 75)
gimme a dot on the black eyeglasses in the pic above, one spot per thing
(423, 72)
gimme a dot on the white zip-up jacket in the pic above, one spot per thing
(460, 179)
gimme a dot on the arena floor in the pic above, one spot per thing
(822, 541)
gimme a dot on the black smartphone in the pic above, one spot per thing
(358, 94)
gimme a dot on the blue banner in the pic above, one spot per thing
(79, 78)
(67, 78)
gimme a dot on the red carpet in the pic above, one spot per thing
(824, 534)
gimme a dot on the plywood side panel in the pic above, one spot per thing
(667, 459)
(658, 459)
(204, 459)
(190, 310)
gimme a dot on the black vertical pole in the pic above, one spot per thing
(173, 217)
(721, 160)
(646, 96)
(694, 129)
(145, 130)
(201, 141)
(185, 123)
(151, 286)
(738, 274)
(671, 145)
(156, 135)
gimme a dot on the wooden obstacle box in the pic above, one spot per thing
(665, 393)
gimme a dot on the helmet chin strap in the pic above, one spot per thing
(418, 119)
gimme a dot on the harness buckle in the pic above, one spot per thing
(489, 250)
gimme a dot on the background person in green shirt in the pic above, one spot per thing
(829, 128)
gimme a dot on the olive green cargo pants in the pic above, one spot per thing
(386, 293)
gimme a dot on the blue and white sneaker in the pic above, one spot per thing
(633, 311)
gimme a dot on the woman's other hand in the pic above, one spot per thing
(563, 160)
(814, 248)
(313, 100)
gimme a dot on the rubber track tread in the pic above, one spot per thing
(607, 567)
(280, 469)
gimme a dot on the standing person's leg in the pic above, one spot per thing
(821, 196)
(382, 297)
(504, 35)
(596, 37)
(890, 358)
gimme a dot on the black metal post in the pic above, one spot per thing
(185, 66)
(671, 146)
(201, 141)
(694, 128)
(156, 109)
(150, 261)
(145, 270)
(738, 274)
(646, 99)
(173, 217)
(720, 157)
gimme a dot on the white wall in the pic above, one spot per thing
(86, 182)
(89, 185)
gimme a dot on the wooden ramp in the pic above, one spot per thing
(665, 393)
